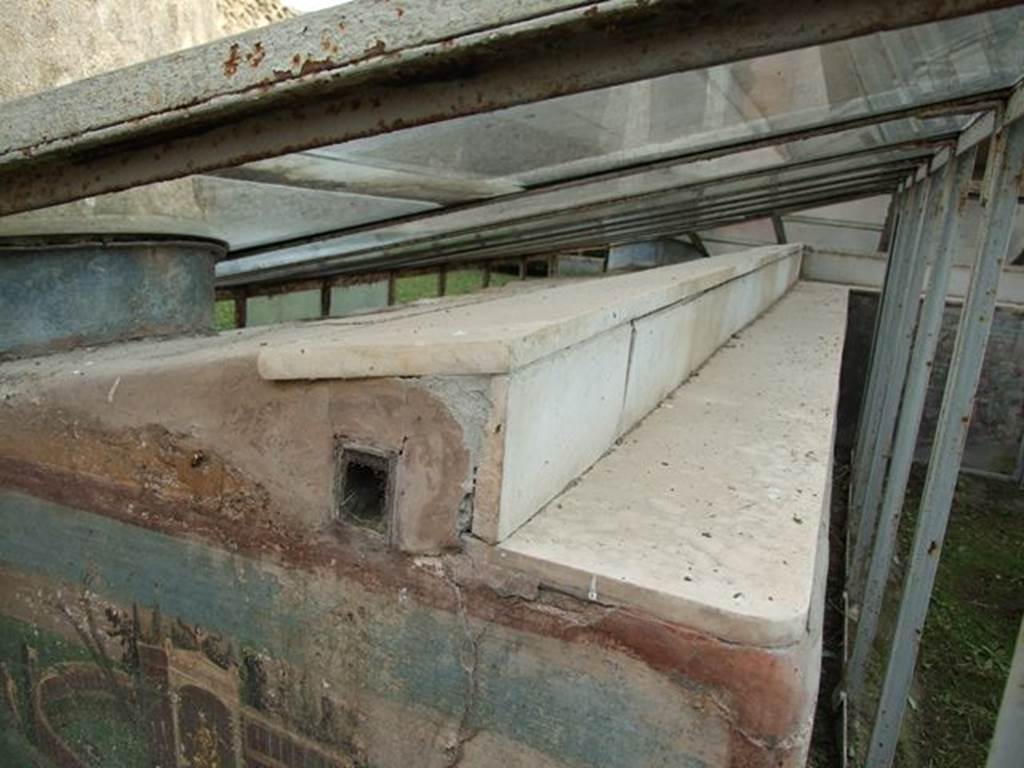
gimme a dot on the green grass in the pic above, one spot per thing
(460, 281)
(408, 288)
(971, 629)
(414, 287)
(973, 621)
(224, 315)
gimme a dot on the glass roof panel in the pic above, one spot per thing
(589, 157)
(683, 113)
(820, 160)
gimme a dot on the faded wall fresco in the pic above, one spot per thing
(220, 660)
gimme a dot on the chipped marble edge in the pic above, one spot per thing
(731, 626)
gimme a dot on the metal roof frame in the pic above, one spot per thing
(368, 68)
(541, 217)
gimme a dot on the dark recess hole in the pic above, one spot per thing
(363, 488)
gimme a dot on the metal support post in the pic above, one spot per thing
(885, 237)
(902, 335)
(325, 298)
(1008, 739)
(999, 200)
(241, 305)
(955, 187)
(897, 274)
(698, 243)
(903, 204)
(780, 229)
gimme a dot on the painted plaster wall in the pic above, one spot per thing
(407, 680)
(386, 660)
(208, 434)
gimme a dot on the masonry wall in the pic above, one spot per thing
(50, 44)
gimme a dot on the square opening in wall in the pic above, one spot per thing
(363, 490)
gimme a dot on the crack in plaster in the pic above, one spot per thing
(464, 733)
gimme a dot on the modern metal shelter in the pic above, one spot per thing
(389, 135)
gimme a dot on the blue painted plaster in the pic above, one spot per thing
(413, 655)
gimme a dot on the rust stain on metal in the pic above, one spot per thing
(308, 67)
(256, 56)
(233, 60)
(327, 43)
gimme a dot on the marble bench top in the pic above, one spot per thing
(713, 511)
(503, 332)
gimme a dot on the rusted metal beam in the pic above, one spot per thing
(1003, 177)
(372, 67)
